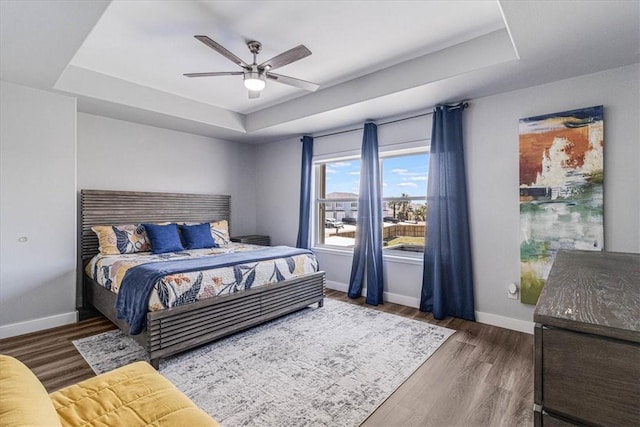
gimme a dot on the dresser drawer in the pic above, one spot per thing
(591, 378)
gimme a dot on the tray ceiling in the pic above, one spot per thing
(373, 59)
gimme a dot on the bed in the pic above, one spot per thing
(172, 330)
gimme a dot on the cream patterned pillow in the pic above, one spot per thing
(122, 239)
(220, 232)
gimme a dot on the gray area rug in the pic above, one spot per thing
(320, 366)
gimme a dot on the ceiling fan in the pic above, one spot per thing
(255, 75)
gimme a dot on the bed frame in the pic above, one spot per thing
(177, 329)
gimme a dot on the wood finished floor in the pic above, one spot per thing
(481, 376)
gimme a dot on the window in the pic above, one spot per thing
(404, 189)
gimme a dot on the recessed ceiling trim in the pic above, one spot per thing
(38, 38)
(81, 81)
(484, 51)
(490, 49)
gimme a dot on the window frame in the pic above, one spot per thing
(318, 209)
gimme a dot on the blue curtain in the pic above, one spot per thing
(447, 279)
(305, 193)
(367, 254)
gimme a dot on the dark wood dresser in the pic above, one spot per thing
(587, 341)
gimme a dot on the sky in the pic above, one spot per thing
(404, 174)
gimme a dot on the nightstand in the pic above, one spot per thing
(253, 239)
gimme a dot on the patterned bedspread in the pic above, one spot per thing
(170, 290)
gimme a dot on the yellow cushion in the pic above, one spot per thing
(23, 399)
(121, 239)
(134, 395)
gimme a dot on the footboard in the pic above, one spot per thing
(177, 329)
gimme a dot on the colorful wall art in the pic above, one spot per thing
(561, 191)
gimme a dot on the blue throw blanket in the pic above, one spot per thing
(133, 297)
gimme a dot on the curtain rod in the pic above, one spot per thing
(462, 105)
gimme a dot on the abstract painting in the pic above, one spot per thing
(561, 191)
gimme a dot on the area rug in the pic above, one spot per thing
(319, 366)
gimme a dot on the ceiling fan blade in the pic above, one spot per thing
(254, 94)
(285, 58)
(222, 51)
(302, 84)
(214, 74)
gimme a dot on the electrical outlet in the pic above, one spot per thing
(512, 291)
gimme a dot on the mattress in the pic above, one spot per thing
(170, 290)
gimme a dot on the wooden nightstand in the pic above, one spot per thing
(253, 239)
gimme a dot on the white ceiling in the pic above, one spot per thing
(372, 59)
(152, 44)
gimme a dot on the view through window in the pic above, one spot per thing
(404, 209)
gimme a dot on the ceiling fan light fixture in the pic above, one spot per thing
(254, 81)
(255, 75)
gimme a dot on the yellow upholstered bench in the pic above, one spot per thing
(134, 395)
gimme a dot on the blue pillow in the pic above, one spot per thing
(164, 238)
(197, 236)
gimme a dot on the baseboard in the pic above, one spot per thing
(387, 296)
(402, 300)
(35, 325)
(337, 286)
(505, 322)
(481, 317)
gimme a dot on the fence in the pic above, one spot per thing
(389, 231)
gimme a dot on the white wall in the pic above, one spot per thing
(492, 152)
(278, 190)
(491, 141)
(37, 190)
(120, 155)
